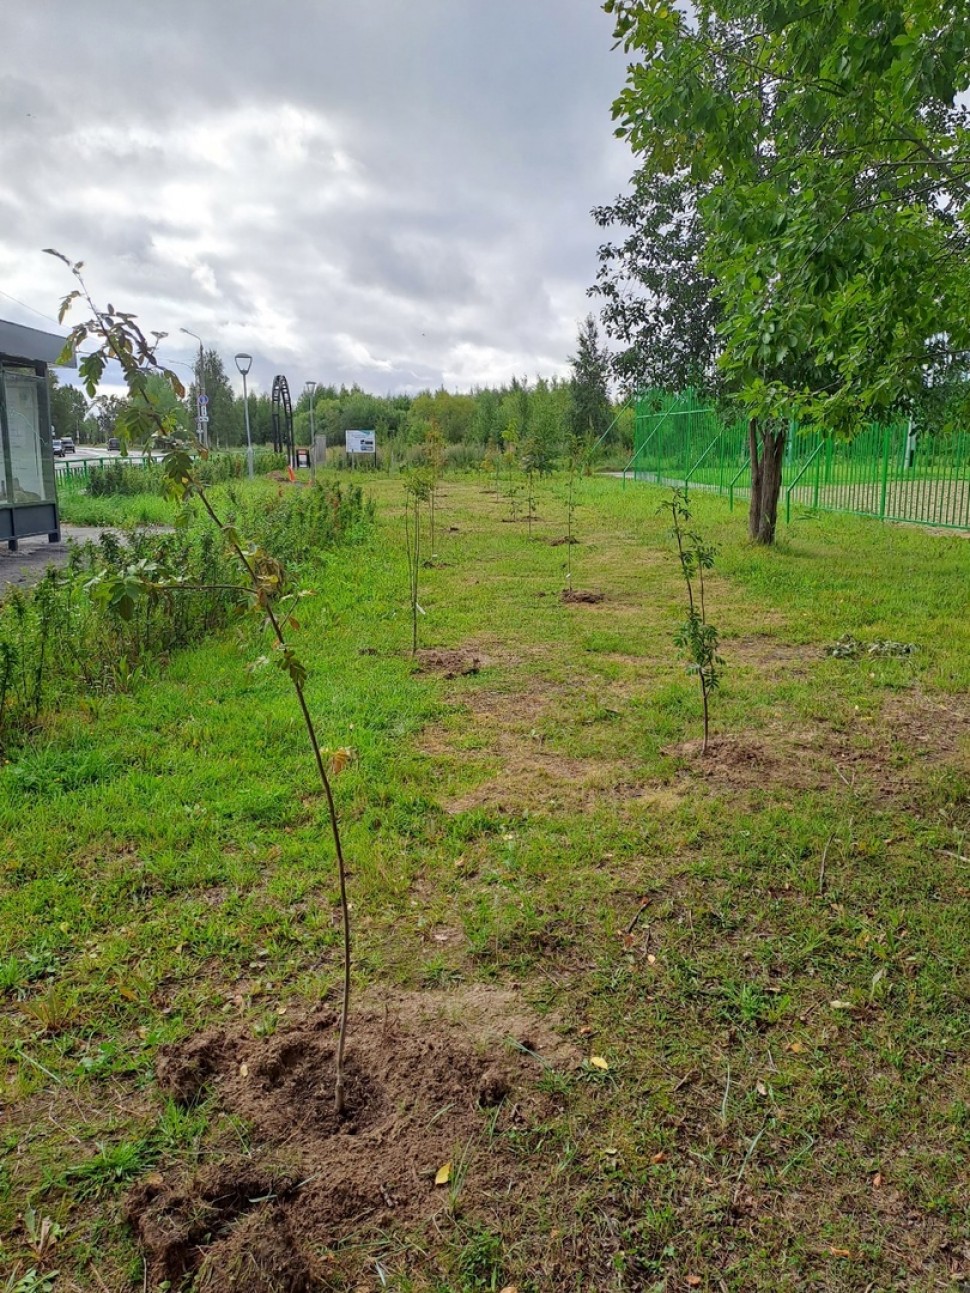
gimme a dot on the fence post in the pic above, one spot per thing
(885, 472)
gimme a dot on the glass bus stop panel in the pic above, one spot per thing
(26, 484)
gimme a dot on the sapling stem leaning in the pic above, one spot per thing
(121, 339)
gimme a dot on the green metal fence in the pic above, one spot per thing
(891, 472)
(72, 475)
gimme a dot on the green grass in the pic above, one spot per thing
(157, 846)
(131, 509)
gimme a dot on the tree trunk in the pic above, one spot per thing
(767, 451)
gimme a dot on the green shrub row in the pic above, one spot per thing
(126, 477)
(59, 638)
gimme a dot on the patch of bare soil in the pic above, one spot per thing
(530, 776)
(567, 539)
(769, 654)
(882, 756)
(580, 597)
(450, 664)
(424, 1075)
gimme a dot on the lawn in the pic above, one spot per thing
(725, 997)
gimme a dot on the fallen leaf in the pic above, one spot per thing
(244, 1070)
(694, 1281)
(443, 1175)
(339, 760)
(761, 1088)
(585, 1032)
(841, 1005)
(877, 1180)
(510, 1288)
(840, 1252)
(797, 1047)
(598, 1062)
(660, 1157)
(651, 959)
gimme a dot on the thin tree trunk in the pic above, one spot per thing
(767, 455)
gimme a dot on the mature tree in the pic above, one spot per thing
(223, 425)
(589, 413)
(69, 409)
(108, 409)
(835, 166)
(658, 301)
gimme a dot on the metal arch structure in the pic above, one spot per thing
(283, 419)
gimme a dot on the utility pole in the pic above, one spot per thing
(202, 400)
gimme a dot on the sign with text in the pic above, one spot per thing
(362, 442)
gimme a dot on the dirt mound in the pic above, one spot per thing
(430, 1080)
(577, 596)
(450, 664)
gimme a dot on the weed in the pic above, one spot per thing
(111, 1168)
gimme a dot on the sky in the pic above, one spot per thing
(389, 192)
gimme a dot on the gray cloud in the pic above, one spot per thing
(394, 193)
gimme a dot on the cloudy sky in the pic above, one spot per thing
(389, 192)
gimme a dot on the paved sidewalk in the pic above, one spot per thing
(28, 563)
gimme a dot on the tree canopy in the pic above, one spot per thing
(830, 157)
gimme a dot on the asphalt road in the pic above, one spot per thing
(28, 564)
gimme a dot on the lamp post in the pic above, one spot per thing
(310, 387)
(202, 412)
(244, 363)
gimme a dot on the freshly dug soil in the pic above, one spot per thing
(565, 540)
(451, 664)
(424, 1078)
(574, 596)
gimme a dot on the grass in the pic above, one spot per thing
(769, 948)
(131, 509)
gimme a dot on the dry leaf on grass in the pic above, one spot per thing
(597, 1062)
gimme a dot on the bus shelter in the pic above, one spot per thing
(28, 497)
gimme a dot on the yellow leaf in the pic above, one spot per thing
(841, 1005)
(694, 1281)
(840, 1252)
(797, 1047)
(510, 1288)
(443, 1174)
(598, 1062)
(244, 1070)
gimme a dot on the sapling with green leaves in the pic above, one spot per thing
(698, 639)
(115, 335)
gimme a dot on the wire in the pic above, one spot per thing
(25, 306)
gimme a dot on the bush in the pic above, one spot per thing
(62, 636)
(126, 477)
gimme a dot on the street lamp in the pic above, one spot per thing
(202, 411)
(244, 363)
(310, 387)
